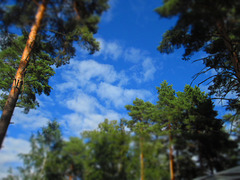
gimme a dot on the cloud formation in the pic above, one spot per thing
(92, 91)
(34, 120)
(108, 16)
(110, 49)
(148, 69)
(9, 153)
(87, 113)
(119, 96)
(86, 92)
(143, 66)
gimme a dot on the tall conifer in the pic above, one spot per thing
(58, 23)
(212, 27)
(142, 115)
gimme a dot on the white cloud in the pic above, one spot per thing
(204, 88)
(76, 123)
(83, 73)
(118, 96)
(87, 113)
(9, 153)
(145, 71)
(222, 102)
(44, 100)
(148, 69)
(88, 110)
(110, 50)
(92, 69)
(134, 55)
(34, 119)
(93, 92)
(108, 16)
(113, 50)
(83, 103)
(89, 92)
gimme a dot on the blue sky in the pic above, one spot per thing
(94, 87)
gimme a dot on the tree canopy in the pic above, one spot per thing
(208, 26)
(179, 136)
(139, 147)
(52, 26)
(36, 80)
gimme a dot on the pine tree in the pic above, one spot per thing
(203, 133)
(208, 26)
(37, 75)
(58, 24)
(74, 158)
(142, 114)
(42, 160)
(107, 149)
(168, 118)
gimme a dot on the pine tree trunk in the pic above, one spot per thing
(42, 174)
(171, 158)
(18, 81)
(71, 172)
(141, 158)
(177, 165)
(227, 41)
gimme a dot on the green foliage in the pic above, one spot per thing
(11, 176)
(74, 155)
(203, 132)
(209, 26)
(233, 127)
(199, 140)
(107, 151)
(64, 23)
(37, 75)
(42, 162)
(233, 119)
(166, 104)
(156, 160)
(191, 119)
(142, 114)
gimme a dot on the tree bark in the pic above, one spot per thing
(171, 158)
(141, 158)
(18, 81)
(227, 41)
(43, 166)
(70, 177)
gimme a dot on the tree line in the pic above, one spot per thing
(179, 136)
(181, 130)
(47, 30)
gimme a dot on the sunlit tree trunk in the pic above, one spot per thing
(141, 158)
(177, 165)
(18, 81)
(42, 174)
(71, 172)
